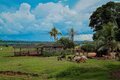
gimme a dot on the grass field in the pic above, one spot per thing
(48, 68)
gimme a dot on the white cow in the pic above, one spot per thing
(80, 59)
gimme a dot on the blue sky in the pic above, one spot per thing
(33, 19)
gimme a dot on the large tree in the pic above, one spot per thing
(105, 22)
(54, 33)
(106, 38)
(109, 12)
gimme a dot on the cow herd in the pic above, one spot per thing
(74, 58)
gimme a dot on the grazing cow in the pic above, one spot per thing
(59, 58)
(69, 58)
(79, 59)
(83, 58)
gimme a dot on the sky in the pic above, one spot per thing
(31, 20)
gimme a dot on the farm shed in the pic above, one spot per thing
(35, 50)
(26, 50)
(50, 48)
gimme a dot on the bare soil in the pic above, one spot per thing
(18, 73)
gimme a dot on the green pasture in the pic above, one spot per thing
(48, 68)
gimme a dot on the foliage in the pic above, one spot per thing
(56, 53)
(109, 12)
(52, 53)
(117, 34)
(89, 47)
(105, 39)
(54, 32)
(66, 42)
(106, 23)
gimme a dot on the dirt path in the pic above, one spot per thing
(18, 73)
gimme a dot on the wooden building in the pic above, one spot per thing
(35, 50)
(26, 50)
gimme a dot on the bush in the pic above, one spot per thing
(89, 47)
(68, 44)
(57, 53)
(48, 54)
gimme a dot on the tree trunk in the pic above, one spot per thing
(55, 38)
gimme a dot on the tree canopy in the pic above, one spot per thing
(105, 22)
(109, 12)
(66, 42)
(54, 33)
(89, 47)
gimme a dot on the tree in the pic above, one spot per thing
(88, 47)
(72, 34)
(66, 42)
(106, 38)
(117, 35)
(109, 12)
(54, 33)
(105, 22)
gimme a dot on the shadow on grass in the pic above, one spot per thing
(77, 73)
(107, 72)
(114, 71)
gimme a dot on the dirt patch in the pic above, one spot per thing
(115, 74)
(18, 73)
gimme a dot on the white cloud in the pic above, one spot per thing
(19, 21)
(25, 8)
(53, 12)
(84, 37)
(44, 16)
(85, 4)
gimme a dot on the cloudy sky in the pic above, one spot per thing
(33, 19)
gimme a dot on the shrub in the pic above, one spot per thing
(57, 53)
(89, 47)
(68, 44)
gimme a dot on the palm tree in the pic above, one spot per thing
(72, 34)
(54, 33)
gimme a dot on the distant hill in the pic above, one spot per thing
(9, 43)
